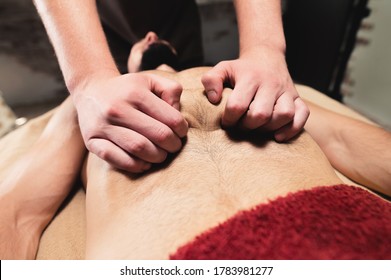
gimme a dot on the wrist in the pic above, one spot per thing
(78, 82)
(276, 43)
(260, 24)
(263, 51)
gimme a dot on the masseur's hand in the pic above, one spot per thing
(131, 120)
(264, 95)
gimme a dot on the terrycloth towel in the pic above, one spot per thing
(337, 222)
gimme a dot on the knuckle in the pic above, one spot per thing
(137, 147)
(176, 87)
(162, 135)
(302, 108)
(130, 165)
(207, 77)
(259, 115)
(237, 108)
(99, 151)
(286, 113)
(137, 98)
(112, 112)
(177, 122)
(88, 136)
(275, 86)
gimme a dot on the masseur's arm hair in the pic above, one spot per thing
(359, 150)
(78, 39)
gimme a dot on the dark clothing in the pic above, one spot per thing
(177, 21)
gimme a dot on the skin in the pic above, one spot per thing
(132, 120)
(335, 140)
(264, 94)
(136, 53)
(216, 175)
(35, 202)
(366, 163)
(27, 206)
(28, 198)
(128, 120)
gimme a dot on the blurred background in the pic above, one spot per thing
(339, 47)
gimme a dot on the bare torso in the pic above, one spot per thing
(215, 175)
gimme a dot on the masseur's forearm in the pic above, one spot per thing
(78, 39)
(260, 24)
(359, 150)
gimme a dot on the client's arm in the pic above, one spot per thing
(359, 150)
(37, 184)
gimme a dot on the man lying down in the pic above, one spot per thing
(226, 194)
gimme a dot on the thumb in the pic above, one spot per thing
(168, 90)
(213, 81)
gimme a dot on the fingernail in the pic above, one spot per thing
(212, 95)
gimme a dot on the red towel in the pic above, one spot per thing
(337, 222)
